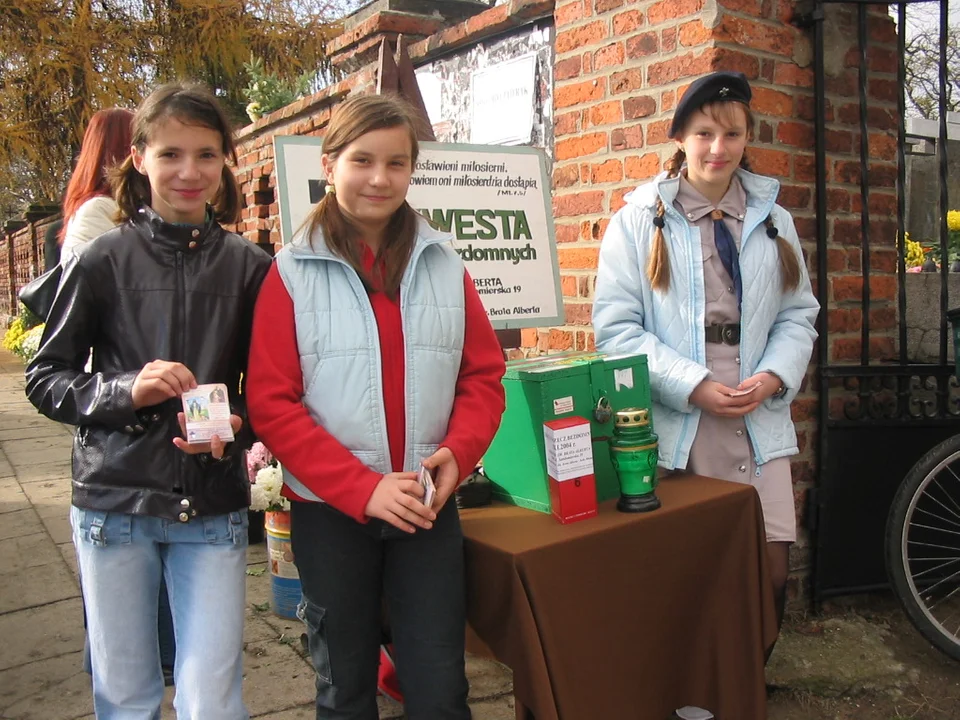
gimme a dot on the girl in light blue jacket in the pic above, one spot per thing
(702, 271)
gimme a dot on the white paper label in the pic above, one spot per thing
(569, 451)
(623, 378)
(563, 405)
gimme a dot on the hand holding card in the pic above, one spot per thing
(745, 391)
(429, 488)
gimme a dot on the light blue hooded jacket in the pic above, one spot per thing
(777, 328)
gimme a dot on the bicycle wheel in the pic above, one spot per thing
(923, 546)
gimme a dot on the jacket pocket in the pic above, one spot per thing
(100, 528)
(314, 617)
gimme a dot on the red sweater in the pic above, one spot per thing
(317, 459)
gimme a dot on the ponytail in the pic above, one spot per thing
(131, 189)
(228, 201)
(658, 266)
(789, 263)
(343, 238)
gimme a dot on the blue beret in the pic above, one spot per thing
(716, 87)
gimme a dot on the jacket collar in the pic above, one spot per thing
(174, 236)
(761, 191)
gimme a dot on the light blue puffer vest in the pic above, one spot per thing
(340, 349)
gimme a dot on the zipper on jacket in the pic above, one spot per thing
(178, 352)
(364, 298)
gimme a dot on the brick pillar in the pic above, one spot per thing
(620, 67)
(843, 189)
(359, 42)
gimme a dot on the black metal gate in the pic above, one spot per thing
(877, 413)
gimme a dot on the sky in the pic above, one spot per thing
(926, 15)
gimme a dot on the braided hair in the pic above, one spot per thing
(658, 265)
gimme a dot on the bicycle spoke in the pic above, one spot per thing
(945, 597)
(931, 545)
(941, 582)
(949, 496)
(938, 567)
(938, 517)
(935, 529)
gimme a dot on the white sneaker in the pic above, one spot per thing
(689, 712)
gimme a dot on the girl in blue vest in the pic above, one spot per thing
(702, 271)
(372, 354)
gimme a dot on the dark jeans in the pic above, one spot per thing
(344, 568)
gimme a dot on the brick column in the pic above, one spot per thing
(620, 67)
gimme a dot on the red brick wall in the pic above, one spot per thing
(21, 260)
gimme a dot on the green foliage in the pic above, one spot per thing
(932, 247)
(267, 92)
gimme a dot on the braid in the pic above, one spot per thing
(789, 264)
(658, 267)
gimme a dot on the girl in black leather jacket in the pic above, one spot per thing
(165, 302)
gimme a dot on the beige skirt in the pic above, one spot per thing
(722, 450)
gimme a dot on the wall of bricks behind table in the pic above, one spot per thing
(619, 67)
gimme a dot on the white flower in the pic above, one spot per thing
(265, 492)
(31, 342)
(258, 498)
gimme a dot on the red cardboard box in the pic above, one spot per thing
(569, 449)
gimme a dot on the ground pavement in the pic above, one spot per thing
(40, 614)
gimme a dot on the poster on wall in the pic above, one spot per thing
(495, 201)
(502, 100)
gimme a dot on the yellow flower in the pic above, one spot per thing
(913, 252)
(14, 335)
(953, 220)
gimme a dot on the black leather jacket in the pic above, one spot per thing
(144, 291)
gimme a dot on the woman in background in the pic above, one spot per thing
(89, 210)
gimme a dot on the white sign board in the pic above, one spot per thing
(495, 201)
(502, 99)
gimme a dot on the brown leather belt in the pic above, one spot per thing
(728, 334)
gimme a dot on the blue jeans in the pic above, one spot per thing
(122, 558)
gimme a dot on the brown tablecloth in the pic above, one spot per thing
(627, 617)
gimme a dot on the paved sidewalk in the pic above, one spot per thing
(40, 613)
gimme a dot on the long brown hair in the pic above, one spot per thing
(658, 265)
(353, 118)
(106, 142)
(191, 104)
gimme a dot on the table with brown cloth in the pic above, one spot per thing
(627, 616)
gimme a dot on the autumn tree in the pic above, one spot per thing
(62, 60)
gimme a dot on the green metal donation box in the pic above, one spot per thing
(589, 385)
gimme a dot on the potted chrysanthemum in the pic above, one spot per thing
(265, 497)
